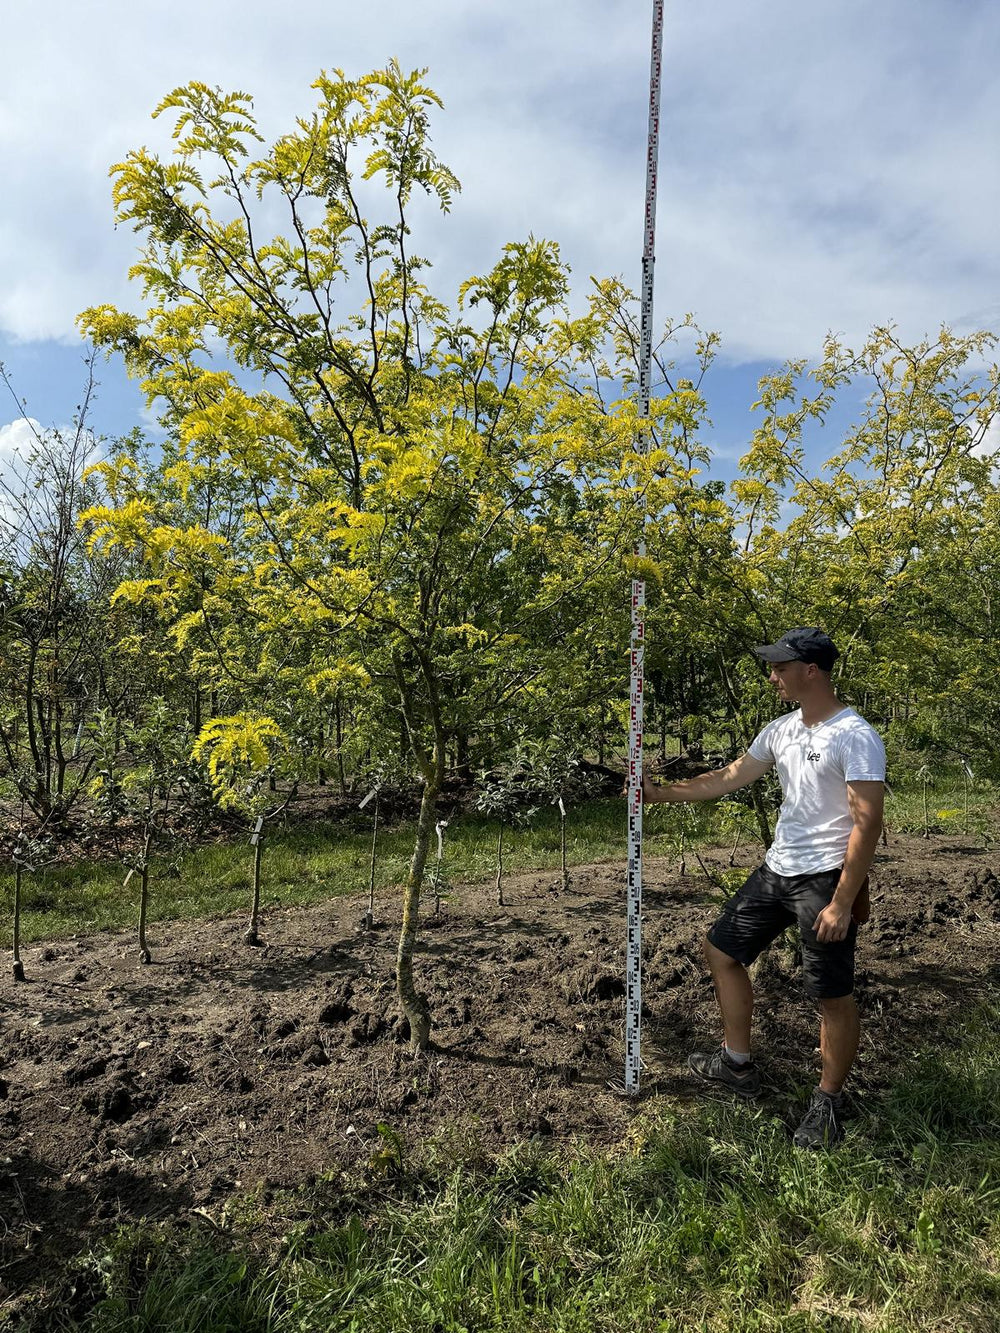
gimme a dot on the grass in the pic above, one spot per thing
(705, 1219)
(950, 809)
(302, 864)
(309, 863)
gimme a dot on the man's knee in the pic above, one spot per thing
(717, 960)
(838, 1007)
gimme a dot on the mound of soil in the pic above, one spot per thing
(130, 1091)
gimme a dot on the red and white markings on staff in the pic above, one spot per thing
(633, 885)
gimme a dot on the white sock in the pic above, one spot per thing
(737, 1057)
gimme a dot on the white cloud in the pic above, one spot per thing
(823, 166)
(989, 445)
(18, 439)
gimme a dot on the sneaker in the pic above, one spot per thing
(717, 1067)
(821, 1125)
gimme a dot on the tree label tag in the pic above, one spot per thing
(373, 793)
(255, 835)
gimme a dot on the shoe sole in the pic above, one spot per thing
(747, 1093)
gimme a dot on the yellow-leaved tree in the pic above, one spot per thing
(426, 504)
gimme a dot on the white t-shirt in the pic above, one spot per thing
(814, 765)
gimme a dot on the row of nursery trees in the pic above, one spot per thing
(383, 530)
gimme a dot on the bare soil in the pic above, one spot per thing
(131, 1092)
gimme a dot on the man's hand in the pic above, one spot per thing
(651, 791)
(833, 923)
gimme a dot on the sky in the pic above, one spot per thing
(824, 166)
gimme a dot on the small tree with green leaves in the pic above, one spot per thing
(554, 769)
(738, 821)
(505, 797)
(925, 776)
(31, 851)
(242, 753)
(163, 782)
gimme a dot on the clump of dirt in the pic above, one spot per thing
(130, 1091)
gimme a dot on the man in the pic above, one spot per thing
(831, 765)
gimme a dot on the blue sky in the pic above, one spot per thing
(824, 166)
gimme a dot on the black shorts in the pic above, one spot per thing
(766, 905)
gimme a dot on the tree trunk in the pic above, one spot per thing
(252, 937)
(320, 769)
(413, 1004)
(18, 967)
(341, 775)
(760, 810)
(562, 840)
(735, 846)
(437, 869)
(500, 902)
(144, 955)
(463, 763)
(369, 920)
(39, 802)
(61, 761)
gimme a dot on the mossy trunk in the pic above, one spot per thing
(17, 967)
(414, 1004)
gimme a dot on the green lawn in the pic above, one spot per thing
(308, 863)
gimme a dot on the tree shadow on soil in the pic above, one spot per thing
(39, 1208)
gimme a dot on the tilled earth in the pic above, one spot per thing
(130, 1091)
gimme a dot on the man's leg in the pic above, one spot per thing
(839, 1032)
(751, 919)
(734, 993)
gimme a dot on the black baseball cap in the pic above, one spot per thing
(801, 645)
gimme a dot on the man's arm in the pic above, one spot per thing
(707, 786)
(866, 801)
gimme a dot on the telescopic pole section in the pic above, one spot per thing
(633, 978)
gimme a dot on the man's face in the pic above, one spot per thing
(791, 678)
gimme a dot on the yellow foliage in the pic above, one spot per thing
(329, 680)
(234, 747)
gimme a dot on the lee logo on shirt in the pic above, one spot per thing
(814, 756)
